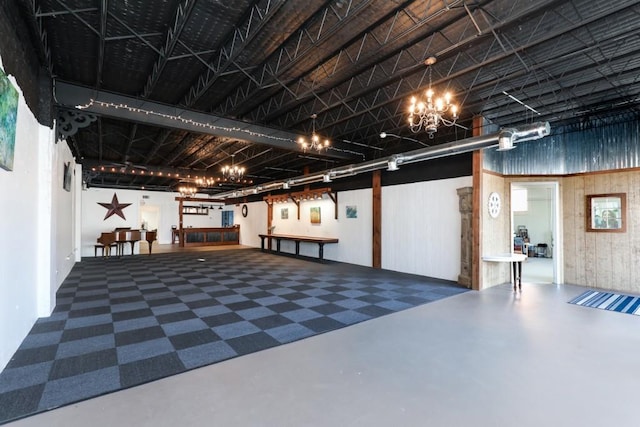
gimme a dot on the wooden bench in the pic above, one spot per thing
(321, 241)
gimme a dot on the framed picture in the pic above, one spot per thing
(607, 212)
(352, 212)
(8, 117)
(66, 179)
(284, 213)
(315, 215)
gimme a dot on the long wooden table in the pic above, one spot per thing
(321, 241)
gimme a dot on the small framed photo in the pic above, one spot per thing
(315, 215)
(284, 213)
(607, 212)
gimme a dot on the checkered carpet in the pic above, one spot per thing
(120, 322)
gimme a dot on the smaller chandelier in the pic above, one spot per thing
(430, 113)
(187, 191)
(314, 143)
(232, 173)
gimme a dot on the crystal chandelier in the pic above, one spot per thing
(232, 173)
(430, 113)
(314, 143)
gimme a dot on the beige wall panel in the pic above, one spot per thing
(599, 259)
(496, 234)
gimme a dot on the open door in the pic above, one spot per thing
(535, 220)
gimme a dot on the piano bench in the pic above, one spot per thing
(102, 249)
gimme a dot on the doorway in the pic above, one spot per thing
(535, 220)
(149, 217)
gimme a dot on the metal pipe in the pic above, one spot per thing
(519, 133)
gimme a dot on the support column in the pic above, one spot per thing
(476, 221)
(465, 204)
(180, 226)
(377, 219)
(269, 223)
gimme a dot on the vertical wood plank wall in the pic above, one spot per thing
(596, 259)
(496, 232)
(593, 259)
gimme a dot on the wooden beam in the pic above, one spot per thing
(377, 219)
(476, 218)
(200, 199)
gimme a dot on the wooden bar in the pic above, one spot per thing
(211, 236)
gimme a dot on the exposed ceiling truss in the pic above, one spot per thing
(255, 71)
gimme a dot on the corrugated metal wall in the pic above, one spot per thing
(590, 146)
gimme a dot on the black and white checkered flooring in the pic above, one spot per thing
(120, 322)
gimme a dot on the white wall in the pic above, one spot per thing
(421, 228)
(94, 223)
(62, 216)
(255, 223)
(354, 233)
(32, 262)
(539, 217)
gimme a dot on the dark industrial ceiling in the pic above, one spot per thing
(251, 73)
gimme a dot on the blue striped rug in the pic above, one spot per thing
(609, 301)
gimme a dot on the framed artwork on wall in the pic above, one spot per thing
(66, 178)
(284, 213)
(352, 212)
(8, 118)
(607, 212)
(315, 215)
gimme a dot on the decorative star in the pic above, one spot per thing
(114, 207)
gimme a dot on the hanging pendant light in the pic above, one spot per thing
(314, 142)
(232, 173)
(432, 111)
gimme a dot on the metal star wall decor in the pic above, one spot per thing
(114, 207)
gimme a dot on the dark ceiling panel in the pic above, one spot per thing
(354, 63)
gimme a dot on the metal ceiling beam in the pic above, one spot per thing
(37, 25)
(510, 118)
(152, 113)
(317, 30)
(159, 141)
(401, 87)
(130, 138)
(173, 34)
(362, 52)
(359, 86)
(242, 35)
(104, 8)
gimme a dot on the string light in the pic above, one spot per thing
(209, 126)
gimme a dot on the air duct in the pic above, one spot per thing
(503, 138)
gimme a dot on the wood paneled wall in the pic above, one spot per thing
(496, 232)
(596, 259)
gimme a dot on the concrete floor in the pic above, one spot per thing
(537, 270)
(490, 358)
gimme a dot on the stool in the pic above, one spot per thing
(541, 250)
